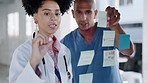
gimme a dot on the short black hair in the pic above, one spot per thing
(32, 6)
(86, 1)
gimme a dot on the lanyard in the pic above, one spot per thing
(68, 73)
(56, 71)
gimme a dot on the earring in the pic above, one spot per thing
(36, 26)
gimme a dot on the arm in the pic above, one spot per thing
(118, 30)
(20, 69)
(25, 61)
(113, 23)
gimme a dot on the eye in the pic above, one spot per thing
(88, 12)
(78, 12)
(46, 13)
(58, 14)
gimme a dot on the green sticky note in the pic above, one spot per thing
(124, 41)
(86, 78)
(102, 19)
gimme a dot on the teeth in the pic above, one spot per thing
(49, 39)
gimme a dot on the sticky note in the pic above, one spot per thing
(86, 78)
(108, 38)
(86, 57)
(102, 19)
(124, 41)
(109, 58)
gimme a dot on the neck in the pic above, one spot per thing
(46, 34)
(88, 34)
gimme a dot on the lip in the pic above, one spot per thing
(52, 25)
(83, 24)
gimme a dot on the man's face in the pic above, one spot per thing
(84, 15)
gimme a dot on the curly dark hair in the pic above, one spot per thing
(32, 6)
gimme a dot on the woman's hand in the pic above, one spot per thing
(40, 46)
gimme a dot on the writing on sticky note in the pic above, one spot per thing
(124, 41)
(109, 58)
(102, 19)
(108, 38)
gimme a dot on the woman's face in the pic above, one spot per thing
(48, 17)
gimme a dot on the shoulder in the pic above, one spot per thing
(103, 28)
(69, 37)
(72, 33)
(64, 48)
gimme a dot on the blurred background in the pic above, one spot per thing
(16, 27)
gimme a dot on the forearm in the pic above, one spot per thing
(118, 30)
(33, 64)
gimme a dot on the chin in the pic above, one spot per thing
(84, 28)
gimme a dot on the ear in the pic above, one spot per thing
(96, 12)
(35, 18)
(73, 13)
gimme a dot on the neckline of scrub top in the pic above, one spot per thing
(83, 41)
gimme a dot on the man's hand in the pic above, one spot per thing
(113, 17)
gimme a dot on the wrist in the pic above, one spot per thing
(115, 27)
(33, 64)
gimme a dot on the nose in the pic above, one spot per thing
(83, 17)
(52, 17)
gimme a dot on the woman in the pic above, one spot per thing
(43, 59)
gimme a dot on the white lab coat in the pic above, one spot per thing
(22, 72)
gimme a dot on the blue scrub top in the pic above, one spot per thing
(76, 43)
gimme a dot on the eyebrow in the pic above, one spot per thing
(83, 9)
(50, 10)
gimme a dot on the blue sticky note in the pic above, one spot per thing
(124, 41)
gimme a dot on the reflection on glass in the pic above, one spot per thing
(13, 24)
(30, 25)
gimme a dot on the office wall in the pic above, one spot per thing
(132, 13)
(8, 44)
(3, 36)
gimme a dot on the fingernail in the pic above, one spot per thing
(108, 18)
(49, 39)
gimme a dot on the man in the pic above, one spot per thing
(88, 37)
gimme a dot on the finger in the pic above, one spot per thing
(44, 36)
(113, 14)
(45, 41)
(50, 39)
(110, 13)
(116, 14)
(108, 10)
(115, 20)
(50, 42)
(41, 38)
(36, 42)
